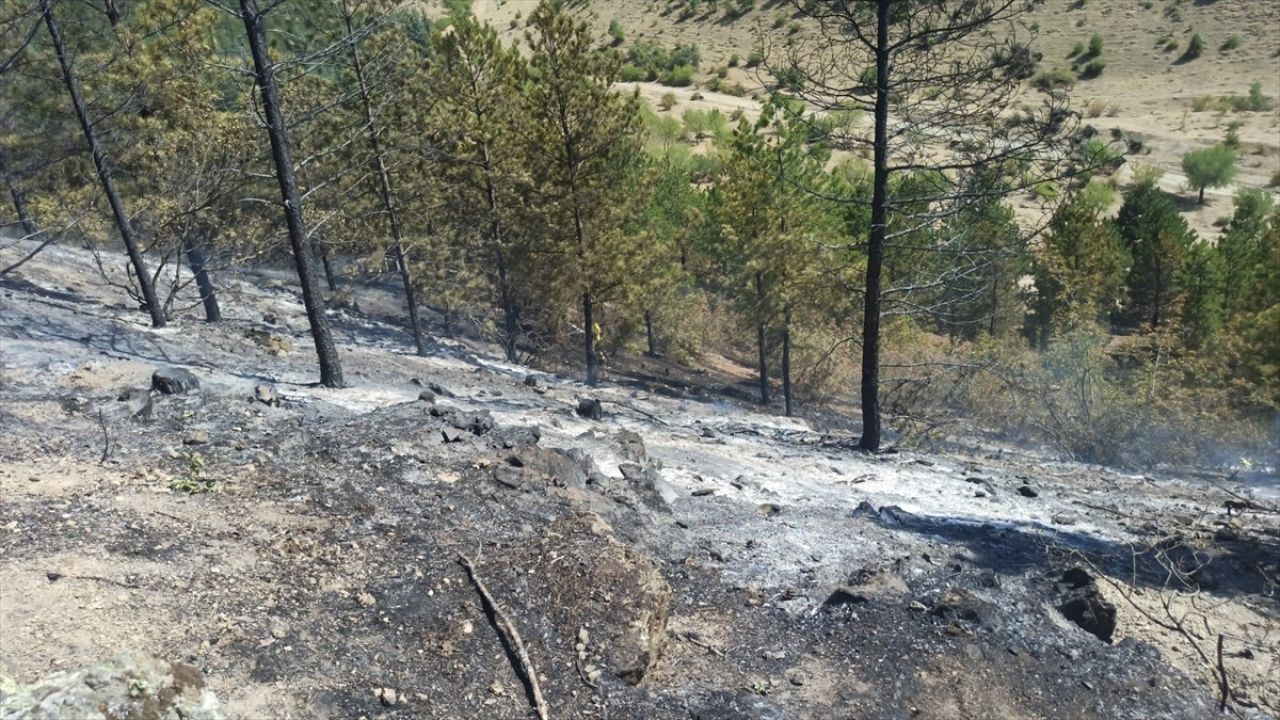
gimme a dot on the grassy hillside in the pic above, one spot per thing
(1164, 103)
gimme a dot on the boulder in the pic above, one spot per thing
(591, 409)
(174, 381)
(648, 485)
(476, 423)
(129, 687)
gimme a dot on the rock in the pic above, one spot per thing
(1027, 492)
(768, 509)
(366, 600)
(961, 606)
(137, 403)
(508, 476)
(1083, 604)
(517, 437)
(196, 437)
(387, 696)
(630, 446)
(476, 423)
(278, 345)
(129, 687)
(173, 381)
(427, 396)
(1063, 519)
(648, 484)
(439, 389)
(703, 492)
(452, 434)
(266, 394)
(591, 409)
(531, 381)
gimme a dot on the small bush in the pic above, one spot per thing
(1275, 179)
(631, 73)
(1093, 69)
(1095, 45)
(734, 60)
(754, 58)
(667, 101)
(616, 32)
(1231, 43)
(722, 72)
(679, 76)
(1077, 49)
(1055, 79)
(1195, 48)
(779, 20)
(1095, 108)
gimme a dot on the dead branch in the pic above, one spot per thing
(511, 636)
(106, 438)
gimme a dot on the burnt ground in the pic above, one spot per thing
(685, 556)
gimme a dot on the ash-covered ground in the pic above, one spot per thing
(686, 555)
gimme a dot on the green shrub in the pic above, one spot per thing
(667, 101)
(1231, 43)
(755, 57)
(1093, 69)
(678, 76)
(632, 73)
(616, 32)
(1095, 45)
(722, 72)
(1195, 48)
(734, 60)
(1077, 49)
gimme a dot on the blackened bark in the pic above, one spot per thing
(786, 359)
(102, 164)
(589, 321)
(761, 342)
(648, 331)
(870, 440)
(198, 259)
(328, 269)
(326, 350)
(387, 196)
(510, 311)
(19, 200)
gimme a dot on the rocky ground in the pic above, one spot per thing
(678, 555)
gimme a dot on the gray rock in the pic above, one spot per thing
(196, 437)
(137, 403)
(427, 396)
(174, 381)
(267, 394)
(129, 687)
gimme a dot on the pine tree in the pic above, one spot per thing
(1157, 239)
(582, 140)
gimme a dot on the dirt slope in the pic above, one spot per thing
(734, 564)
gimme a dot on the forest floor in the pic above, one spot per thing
(688, 555)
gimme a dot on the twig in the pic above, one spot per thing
(106, 438)
(54, 576)
(1224, 686)
(633, 408)
(511, 636)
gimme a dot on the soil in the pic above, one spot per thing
(679, 558)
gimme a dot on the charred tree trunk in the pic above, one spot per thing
(761, 342)
(198, 259)
(326, 350)
(510, 312)
(102, 164)
(870, 440)
(589, 320)
(328, 269)
(648, 332)
(19, 200)
(387, 195)
(786, 359)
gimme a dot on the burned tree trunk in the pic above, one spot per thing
(786, 359)
(19, 200)
(265, 72)
(198, 259)
(102, 164)
(386, 194)
(761, 342)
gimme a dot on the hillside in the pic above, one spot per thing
(684, 555)
(1147, 91)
